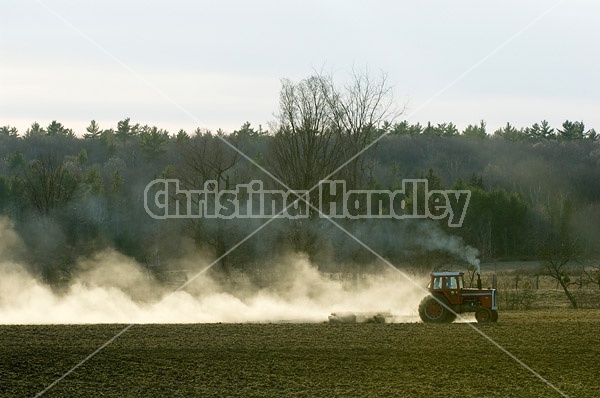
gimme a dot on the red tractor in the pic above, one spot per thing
(449, 297)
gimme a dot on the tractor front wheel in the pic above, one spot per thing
(483, 315)
(431, 310)
(494, 315)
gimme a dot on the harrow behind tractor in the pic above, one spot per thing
(448, 297)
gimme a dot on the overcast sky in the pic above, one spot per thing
(188, 63)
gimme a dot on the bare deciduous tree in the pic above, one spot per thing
(48, 183)
(306, 146)
(358, 111)
(560, 249)
(321, 126)
(557, 257)
(205, 157)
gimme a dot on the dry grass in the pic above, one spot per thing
(257, 360)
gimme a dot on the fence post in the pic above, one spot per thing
(537, 282)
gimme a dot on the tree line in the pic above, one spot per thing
(534, 190)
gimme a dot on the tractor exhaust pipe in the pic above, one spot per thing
(479, 281)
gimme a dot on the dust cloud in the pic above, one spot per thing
(112, 288)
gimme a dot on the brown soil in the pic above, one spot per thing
(257, 360)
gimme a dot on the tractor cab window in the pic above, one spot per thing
(451, 283)
(437, 283)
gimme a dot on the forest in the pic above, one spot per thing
(535, 191)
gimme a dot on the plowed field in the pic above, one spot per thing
(258, 360)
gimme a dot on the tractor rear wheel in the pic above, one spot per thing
(494, 315)
(432, 311)
(483, 315)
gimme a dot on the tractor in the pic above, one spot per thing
(448, 297)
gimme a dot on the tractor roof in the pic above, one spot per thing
(447, 273)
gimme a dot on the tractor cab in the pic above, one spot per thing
(449, 284)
